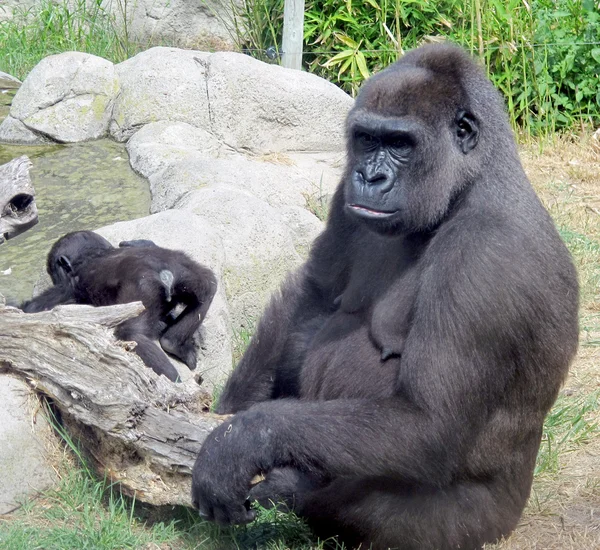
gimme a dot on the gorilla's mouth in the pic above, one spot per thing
(370, 213)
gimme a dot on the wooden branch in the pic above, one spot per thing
(18, 211)
(139, 428)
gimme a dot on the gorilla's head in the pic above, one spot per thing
(416, 140)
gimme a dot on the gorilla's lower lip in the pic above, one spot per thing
(367, 212)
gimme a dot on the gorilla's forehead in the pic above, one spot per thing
(367, 120)
(404, 91)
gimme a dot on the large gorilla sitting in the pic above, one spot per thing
(395, 389)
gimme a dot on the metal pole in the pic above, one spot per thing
(293, 34)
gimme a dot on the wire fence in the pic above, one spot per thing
(490, 47)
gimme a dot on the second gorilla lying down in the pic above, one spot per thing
(86, 269)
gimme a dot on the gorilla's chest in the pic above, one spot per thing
(357, 352)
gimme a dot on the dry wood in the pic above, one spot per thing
(18, 211)
(140, 429)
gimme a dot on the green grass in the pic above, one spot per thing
(54, 27)
(241, 338)
(83, 512)
(80, 513)
(569, 425)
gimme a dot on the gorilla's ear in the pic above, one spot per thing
(64, 263)
(467, 131)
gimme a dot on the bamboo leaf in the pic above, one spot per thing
(339, 57)
(361, 62)
(346, 40)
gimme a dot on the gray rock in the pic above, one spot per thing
(180, 22)
(304, 225)
(24, 438)
(67, 97)
(160, 144)
(160, 84)
(277, 185)
(246, 104)
(8, 82)
(14, 131)
(196, 237)
(178, 158)
(259, 248)
(265, 108)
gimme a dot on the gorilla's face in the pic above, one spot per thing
(406, 163)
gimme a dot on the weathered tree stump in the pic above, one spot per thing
(18, 211)
(139, 428)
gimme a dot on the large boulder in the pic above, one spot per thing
(178, 158)
(161, 144)
(66, 97)
(266, 108)
(248, 105)
(161, 84)
(25, 444)
(183, 23)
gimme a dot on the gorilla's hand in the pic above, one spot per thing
(285, 488)
(229, 458)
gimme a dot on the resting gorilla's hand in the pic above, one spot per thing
(230, 457)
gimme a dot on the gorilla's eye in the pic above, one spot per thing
(399, 141)
(464, 128)
(365, 139)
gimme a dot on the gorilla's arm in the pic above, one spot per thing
(137, 243)
(388, 439)
(52, 297)
(270, 365)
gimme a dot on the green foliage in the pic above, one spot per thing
(348, 41)
(567, 67)
(51, 27)
(255, 25)
(568, 425)
(543, 55)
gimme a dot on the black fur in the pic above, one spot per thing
(176, 292)
(395, 389)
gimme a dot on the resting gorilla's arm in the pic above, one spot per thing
(270, 366)
(274, 356)
(50, 298)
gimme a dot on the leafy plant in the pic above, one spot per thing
(543, 55)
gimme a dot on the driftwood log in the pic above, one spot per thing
(139, 429)
(18, 211)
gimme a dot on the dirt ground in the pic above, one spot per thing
(564, 509)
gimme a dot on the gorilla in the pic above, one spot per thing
(395, 389)
(176, 292)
